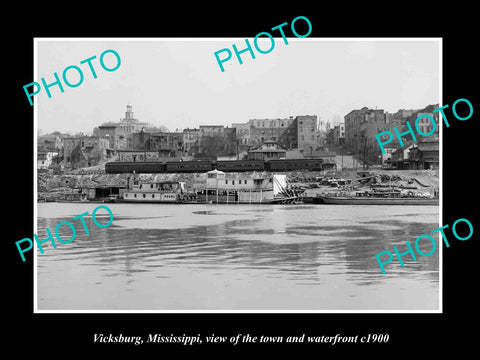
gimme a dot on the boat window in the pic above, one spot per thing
(226, 181)
(151, 186)
(153, 196)
(135, 195)
(143, 195)
(233, 182)
(126, 195)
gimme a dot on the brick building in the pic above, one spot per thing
(168, 144)
(84, 151)
(120, 134)
(307, 133)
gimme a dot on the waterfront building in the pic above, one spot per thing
(246, 188)
(426, 154)
(401, 158)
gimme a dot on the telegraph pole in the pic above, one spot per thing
(364, 148)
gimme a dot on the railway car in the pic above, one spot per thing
(188, 166)
(240, 165)
(295, 164)
(119, 167)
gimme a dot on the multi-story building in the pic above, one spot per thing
(120, 133)
(118, 138)
(191, 141)
(231, 145)
(168, 144)
(85, 150)
(403, 114)
(425, 125)
(211, 130)
(352, 127)
(361, 129)
(362, 125)
(216, 140)
(129, 124)
(339, 134)
(242, 134)
(284, 131)
(300, 132)
(307, 133)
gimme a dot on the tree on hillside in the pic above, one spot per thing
(212, 146)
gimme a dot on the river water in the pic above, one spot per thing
(236, 257)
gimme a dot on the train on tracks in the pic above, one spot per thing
(198, 166)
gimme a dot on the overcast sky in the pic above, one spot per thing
(178, 83)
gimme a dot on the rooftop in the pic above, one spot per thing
(428, 146)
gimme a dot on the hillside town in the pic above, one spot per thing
(350, 143)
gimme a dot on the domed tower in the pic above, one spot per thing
(129, 113)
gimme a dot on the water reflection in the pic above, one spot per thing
(304, 249)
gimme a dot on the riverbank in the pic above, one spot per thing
(417, 181)
(52, 187)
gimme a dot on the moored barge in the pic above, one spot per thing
(377, 198)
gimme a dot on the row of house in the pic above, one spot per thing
(357, 135)
(300, 132)
(132, 140)
(419, 155)
(129, 135)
